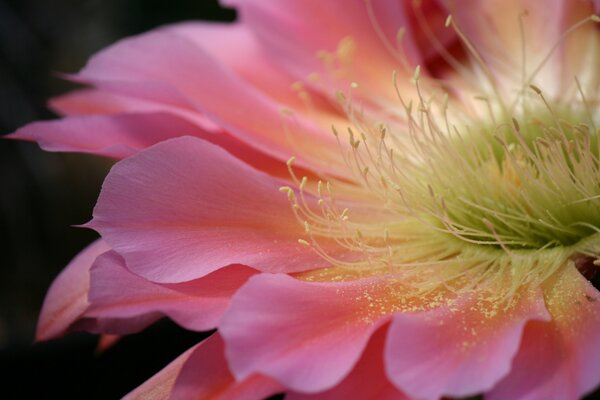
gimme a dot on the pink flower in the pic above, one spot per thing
(442, 242)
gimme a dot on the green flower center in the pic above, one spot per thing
(521, 185)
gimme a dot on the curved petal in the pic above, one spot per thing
(309, 37)
(66, 299)
(206, 375)
(122, 135)
(184, 208)
(116, 136)
(316, 331)
(458, 350)
(120, 300)
(559, 359)
(235, 46)
(366, 381)
(94, 101)
(160, 385)
(150, 64)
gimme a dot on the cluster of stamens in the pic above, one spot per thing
(443, 197)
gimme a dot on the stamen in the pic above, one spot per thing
(456, 199)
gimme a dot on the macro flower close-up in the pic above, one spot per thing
(364, 199)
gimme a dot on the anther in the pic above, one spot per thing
(448, 21)
(303, 242)
(536, 89)
(417, 74)
(303, 182)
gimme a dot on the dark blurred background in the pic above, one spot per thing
(43, 194)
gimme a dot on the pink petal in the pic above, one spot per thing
(127, 98)
(458, 350)
(121, 135)
(160, 385)
(155, 63)
(184, 208)
(498, 40)
(308, 336)
(122, 302)
(366, 381)
(235, 46)
(295, 31)
(66, 299)
(115, 136)
(206, 375)
(559, 359)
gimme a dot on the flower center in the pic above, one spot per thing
(447, 194)
(519, 185)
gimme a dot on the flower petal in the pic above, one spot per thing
(160, 385)
(294, 32)
(152, 63)
(127, 100)
(559, 359)
(122, 302)
(66, 299)
(316, 331)
(457, 350)
(366, 381)
(184, 208)
(206, 375)
(121, 135)
(115, 136)
(521, 39)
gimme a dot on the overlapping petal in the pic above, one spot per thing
(317, 331)
(122, 302)
(67, 298)
(206, 375)
(116, 136)
(159, 387)
(185, 208)
(558, 359)
(440, 352)
(163, 64)
(368, 379)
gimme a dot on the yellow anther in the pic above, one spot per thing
(344, 214)
(334, 130)
(290, 192)
(303, 182)
(448, 21)
(417, 74)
